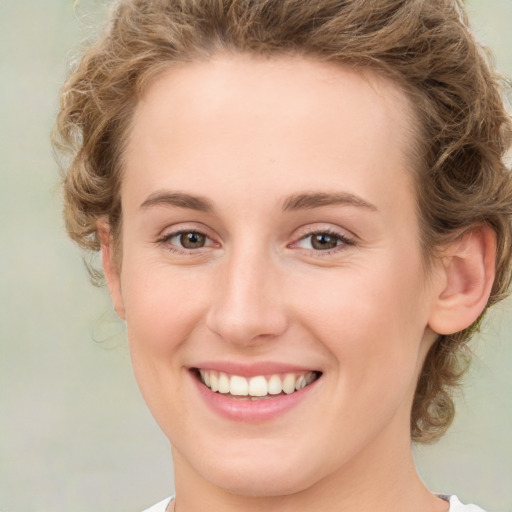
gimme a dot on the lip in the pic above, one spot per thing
(247, 410)
(253, 369)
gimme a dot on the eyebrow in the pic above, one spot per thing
(178, 199)
(310, 200)
(302, 201)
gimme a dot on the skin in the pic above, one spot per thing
(245, 135)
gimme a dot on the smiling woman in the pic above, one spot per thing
(303, 212)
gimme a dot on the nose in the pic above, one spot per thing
(248, 306)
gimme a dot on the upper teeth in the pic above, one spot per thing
(259, 385)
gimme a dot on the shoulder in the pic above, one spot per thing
(457, 506)
(160, 506)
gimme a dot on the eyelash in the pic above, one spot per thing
(342, 242)
(165, 241)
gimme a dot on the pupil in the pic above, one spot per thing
(323, 241)
(192, 240)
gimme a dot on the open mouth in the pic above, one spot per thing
(256, 387)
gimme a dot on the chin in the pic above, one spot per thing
(260, 476)
(261, 483)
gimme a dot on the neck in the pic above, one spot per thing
(383, 478)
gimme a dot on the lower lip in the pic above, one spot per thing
(251, 411)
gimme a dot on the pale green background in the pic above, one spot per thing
(74, 432)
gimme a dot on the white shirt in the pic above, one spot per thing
(455, 505)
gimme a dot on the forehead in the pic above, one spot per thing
(235, 116)
(285, 84)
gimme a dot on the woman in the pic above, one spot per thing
(303, 212)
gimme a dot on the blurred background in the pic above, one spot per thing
(74, 431)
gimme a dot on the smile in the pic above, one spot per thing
(256, 387)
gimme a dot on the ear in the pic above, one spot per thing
(466, 279)
(110, 266)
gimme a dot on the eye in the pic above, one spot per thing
(188, 240)
(191, 239)
(323, 241)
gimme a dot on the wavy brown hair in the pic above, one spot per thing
(424, 46)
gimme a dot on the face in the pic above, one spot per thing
(270, 242)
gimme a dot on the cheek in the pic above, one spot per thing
(162, 306)
(370, 318)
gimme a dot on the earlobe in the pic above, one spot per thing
(467, 276)
(110, 267)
